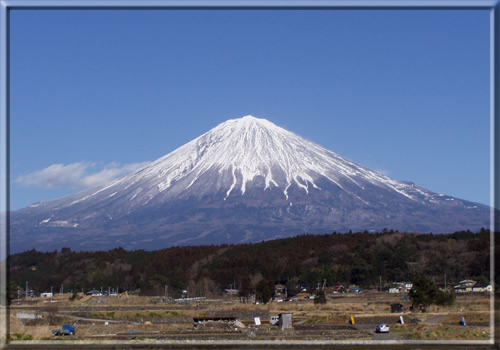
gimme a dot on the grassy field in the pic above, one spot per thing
(136, 317)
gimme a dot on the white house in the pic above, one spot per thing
(464, 286)
(401, 287)
(482, 288)
(94, 292)
(404, 286)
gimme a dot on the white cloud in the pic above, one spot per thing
(77, 175)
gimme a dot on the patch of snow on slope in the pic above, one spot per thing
(46, 220)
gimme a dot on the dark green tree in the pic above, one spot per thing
(11, 291)
(324, 259)
(361, 273)
(320, 297)
(423, 293)
(291, 288)
(262, 291)
(246, 288)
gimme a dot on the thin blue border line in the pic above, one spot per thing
(366, 4)
(493, 5)
(494, 152)
(4, 182)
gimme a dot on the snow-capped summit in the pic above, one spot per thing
(240, 151)
(246, 179)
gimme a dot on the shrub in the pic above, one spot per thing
(445, 298)
(320, 297)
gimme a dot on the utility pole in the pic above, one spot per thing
(51, 293)
(62, 289)
(444, 281)
(26, 290)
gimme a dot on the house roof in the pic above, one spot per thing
(467, 282)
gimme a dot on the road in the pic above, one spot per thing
(93, 319)
(370, 328)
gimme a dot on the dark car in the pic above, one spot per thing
(66, 329)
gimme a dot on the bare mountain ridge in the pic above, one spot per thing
(244, 180)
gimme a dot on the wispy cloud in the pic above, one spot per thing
(382, 171)
(76, 175)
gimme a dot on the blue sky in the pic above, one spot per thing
(96, 93)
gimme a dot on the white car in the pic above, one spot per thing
(382, 328)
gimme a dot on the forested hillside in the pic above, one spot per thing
(364, 259)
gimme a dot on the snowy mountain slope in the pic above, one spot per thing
(245, 180)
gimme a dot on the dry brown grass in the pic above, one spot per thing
(36, 331)
(337, 310)
(441, 332)
(470, 317)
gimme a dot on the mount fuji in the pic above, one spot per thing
(245, 180)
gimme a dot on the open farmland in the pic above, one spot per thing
(153, 319)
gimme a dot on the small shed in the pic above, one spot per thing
(396, 308)
(285, 321)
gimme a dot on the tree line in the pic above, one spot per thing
(369, 260)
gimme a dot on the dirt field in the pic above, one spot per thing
(156, 319)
